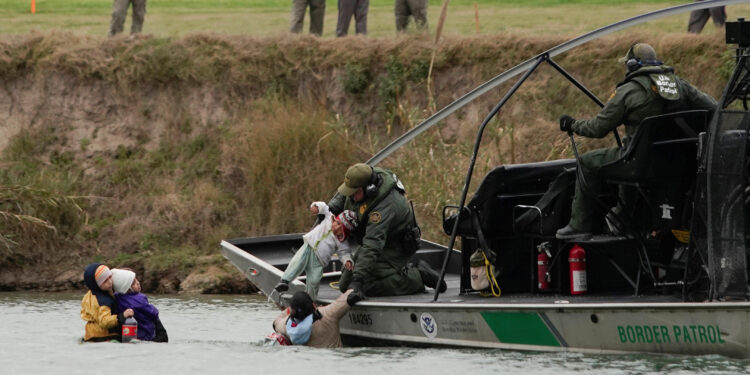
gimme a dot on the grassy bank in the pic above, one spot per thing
(271, 17)
(176, 144)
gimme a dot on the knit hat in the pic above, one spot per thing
(101, 274)
(122, 280)
(357, 176)
(348, 220)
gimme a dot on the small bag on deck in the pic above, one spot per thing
(483, 277)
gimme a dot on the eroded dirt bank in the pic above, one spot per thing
(171, 145)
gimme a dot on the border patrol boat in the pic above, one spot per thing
(674, 281)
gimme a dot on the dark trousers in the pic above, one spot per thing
(317, 12)
(584, 201)
(415, 8)
(357, 8)
(120, 11)
(698, 18)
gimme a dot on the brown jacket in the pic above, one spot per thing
(325, 331)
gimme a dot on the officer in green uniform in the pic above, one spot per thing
(381, 260)
(649, 89)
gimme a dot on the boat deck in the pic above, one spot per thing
(452, 295)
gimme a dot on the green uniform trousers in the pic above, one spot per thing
(414, 8)
(386, 280)
(120, 11)
(584, 202)
(317, 12)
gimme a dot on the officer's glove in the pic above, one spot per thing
(566, 124)
(357, 293)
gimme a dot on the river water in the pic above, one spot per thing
(40, 334)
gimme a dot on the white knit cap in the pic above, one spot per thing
(122, 280)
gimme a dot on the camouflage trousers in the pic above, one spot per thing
(317, 12)
(414, 8)
(120, 11)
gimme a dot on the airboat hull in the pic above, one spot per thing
(554, 323)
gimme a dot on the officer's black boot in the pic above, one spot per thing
(430, 277)
(570, 233)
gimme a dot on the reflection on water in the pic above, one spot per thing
(40, 334)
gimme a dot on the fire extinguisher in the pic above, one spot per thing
(577, 261)
(542, 269)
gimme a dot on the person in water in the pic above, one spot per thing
(98, 307)
(305, 324)
(128, 296)
(330, 236)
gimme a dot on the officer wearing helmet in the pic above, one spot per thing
(650, 88)
(384, 236)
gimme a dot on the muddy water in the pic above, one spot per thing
(40, 333)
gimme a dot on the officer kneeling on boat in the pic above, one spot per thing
(649, 89)
(387, 236)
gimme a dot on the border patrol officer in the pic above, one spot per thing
(385, 248)
(650, 88)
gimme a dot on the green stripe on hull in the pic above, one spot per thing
(520, 328)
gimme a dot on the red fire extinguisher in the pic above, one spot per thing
(577, 261)
(542, 270)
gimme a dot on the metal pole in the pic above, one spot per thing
(487, 119)
(585, 91)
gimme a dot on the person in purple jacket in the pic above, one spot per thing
(128, 295)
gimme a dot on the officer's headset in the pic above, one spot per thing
(371, 189)
(634, 62)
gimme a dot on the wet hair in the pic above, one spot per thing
(302, 306)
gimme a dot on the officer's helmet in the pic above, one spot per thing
(640, 54)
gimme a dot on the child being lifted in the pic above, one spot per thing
(330, 236)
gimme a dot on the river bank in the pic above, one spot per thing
(171, 145)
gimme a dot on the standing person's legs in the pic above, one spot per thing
(719, 16)
(298, 15)
(317, 13)
(314, 273)
(697, 20)
(360, 16)
(119, 11)
(418, 9)
(139, 13)
(346, 9)
(401, 10)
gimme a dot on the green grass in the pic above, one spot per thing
(271, 17)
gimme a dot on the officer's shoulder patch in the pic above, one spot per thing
(375, 217)
(613, 95)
